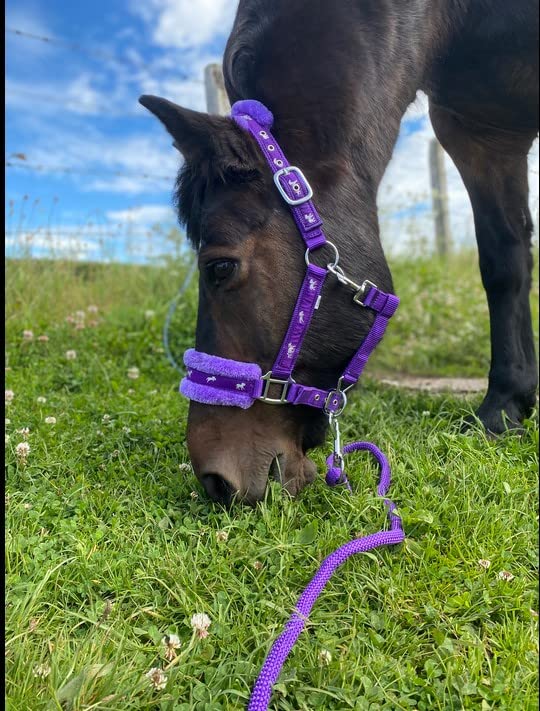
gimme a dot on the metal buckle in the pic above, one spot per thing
(269, 380)
(292, 201)
(363, 291)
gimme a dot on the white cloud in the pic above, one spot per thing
(77, 96)
(53, 244)
(143, 215)
(406, 186)
(185, 23)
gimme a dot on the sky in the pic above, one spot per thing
(91, 171)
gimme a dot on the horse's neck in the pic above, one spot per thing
(338, 76)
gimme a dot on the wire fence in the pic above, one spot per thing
(423, 216)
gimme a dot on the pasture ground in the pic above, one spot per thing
(110, 546)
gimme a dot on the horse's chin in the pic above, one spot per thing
(294, 471)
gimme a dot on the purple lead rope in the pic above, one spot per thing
(269, 674)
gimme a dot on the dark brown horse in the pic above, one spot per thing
(338, 77)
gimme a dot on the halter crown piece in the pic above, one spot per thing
(220, 381)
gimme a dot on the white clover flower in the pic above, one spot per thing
(24, 431)
(92, 309)
(41, 400)
(426, 413)
(222, 536)
(42, 671)
(71, 355)
(43, 338)
(325, 657)
(106, 418)
(194, 495)
(149, 314)
(157, 678)
(28, 335)
(50, 420)
(171, 643)
(184, 467)
(484, 563)
(80, 315)
(200, 622)
(6, 438)
(22, 451)
(257, 565)
(9, 396)
(506, 575)
(133, 373)
(8, 421)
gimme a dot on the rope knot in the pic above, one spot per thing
(335, 476)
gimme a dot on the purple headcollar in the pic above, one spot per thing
(220, 381)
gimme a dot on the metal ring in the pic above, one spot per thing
(331, 397)
(330, 244)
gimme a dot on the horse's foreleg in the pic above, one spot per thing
(494, 169)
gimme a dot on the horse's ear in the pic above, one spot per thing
(200, 137)
(191, 130)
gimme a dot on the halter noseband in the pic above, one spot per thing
(220, 381)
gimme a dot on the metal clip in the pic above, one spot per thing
(361, 289)
(338, 451)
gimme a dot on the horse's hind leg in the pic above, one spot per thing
(493, 166)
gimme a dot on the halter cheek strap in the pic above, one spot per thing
(214, 380)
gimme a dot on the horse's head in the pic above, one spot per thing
(251, 264)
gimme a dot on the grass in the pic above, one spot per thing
(108, 550)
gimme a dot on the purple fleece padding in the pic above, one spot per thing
(255, 110)
(214, 365)
(212, 396)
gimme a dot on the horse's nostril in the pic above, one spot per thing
(218, 488)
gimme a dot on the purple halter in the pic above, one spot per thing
(220, 381)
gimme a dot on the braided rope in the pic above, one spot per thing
(269, 674)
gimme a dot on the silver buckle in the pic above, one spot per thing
(292, 201)
(269, 380)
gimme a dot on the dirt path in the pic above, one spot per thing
(463, 386)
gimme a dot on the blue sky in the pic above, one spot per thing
(76, 109)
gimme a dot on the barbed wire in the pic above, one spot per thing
(77, 233)
(92, 53)
(40, 167)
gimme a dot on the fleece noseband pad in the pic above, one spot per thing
(220, 381)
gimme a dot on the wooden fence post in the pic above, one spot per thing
(217, 101)
(443, 240)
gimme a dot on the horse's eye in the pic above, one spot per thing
(220, 270)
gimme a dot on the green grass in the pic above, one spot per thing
(107, 551)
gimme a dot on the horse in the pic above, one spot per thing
(338, 78)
